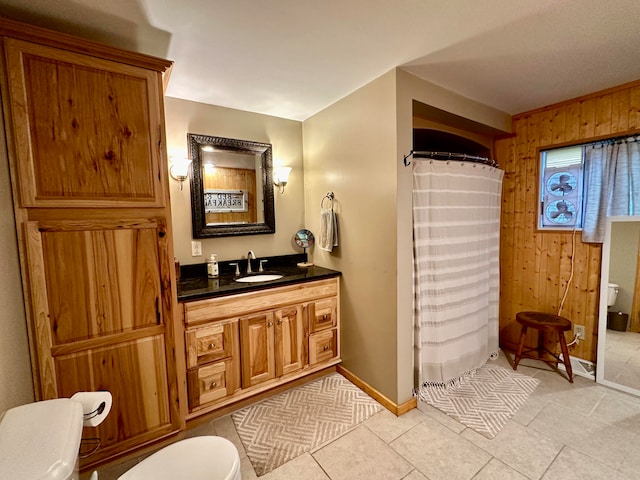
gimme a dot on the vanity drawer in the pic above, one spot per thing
(323, 315)
(210, 343)
(211, 382)
(323, 346)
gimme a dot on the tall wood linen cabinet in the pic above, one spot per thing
(85, 135)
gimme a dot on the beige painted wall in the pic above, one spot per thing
(182, 117)
(623, 262)
(16, 387)
(349, 148)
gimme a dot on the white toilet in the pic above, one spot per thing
(197, 458)
(612, 294)
(41, 441)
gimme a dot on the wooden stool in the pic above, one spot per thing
(544, 322)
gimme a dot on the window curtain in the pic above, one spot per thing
(456, 235)
(612, 184)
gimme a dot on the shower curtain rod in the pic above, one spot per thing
(422, 155)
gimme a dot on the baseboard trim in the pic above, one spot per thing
(390, 405)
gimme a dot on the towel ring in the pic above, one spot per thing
(329, 196)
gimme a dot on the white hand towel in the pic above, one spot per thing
(328, 230)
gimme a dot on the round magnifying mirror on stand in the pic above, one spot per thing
(304, 239)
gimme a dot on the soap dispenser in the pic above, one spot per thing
(212, 266)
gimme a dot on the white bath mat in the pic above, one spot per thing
(289, 424)
(486, 400)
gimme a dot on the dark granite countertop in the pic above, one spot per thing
(194, 283)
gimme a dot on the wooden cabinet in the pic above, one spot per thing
(272, 344)
(213, 361)
(84, 127)
(323, 327)
(291, 347)
(284, 333)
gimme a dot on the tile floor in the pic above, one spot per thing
(564, 431)
(622, 358)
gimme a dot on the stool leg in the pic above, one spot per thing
(540, 343)
(565, 355)
(523, 334)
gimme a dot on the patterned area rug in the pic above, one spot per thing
(289, 424)
(485, 401)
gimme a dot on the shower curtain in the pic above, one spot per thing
(456, 237)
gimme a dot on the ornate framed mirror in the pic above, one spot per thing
(231, 187)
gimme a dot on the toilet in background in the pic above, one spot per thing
(612, 294)
(41, 441)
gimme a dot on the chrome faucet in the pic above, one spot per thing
(250, 256)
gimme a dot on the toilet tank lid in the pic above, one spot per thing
(614, 285)
(41, 440)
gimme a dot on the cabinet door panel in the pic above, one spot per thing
(87, 131)
(100, 281)
(291, 354)
(257, 347)
(134, 373)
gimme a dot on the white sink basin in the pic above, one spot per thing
(259, 278)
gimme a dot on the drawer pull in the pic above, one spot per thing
(325, 348)
(213, 385)
(324, 317)
(212, 346)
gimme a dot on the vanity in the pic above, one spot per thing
(244, 338)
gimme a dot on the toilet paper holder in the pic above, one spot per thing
(95, 406)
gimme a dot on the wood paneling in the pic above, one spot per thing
(537, 265)
(223, 178)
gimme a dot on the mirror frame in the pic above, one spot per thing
(199, 225)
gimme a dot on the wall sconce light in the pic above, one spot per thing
(179, 169)
(281, 177)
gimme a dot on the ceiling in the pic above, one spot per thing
(293, 58)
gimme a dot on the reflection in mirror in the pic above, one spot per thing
(231, 187)
(618, 364)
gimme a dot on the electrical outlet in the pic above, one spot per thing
(196, 248)
(579, 331)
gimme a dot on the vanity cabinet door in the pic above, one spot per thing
(257, 348)
(290, 344)
(87, 132)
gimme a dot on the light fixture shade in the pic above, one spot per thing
(180, 169)
(281, 175)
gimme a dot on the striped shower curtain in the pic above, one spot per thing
(456, 230)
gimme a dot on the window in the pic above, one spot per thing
(561, 187)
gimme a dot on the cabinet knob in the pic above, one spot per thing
(279, 322)
(324, 317)
(213, 385)
(270, 324)
(325, 348)
(212, 346)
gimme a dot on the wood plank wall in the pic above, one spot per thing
(536, 266)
